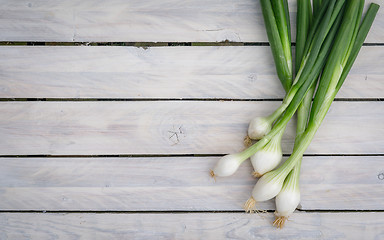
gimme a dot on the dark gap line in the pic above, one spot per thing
(341, 155)
(125, 211)
(111, 156)
(338, 211)
(261, 44)
(133, 44)
(181, 211)
(127, 99)
(171, 99)
(35, 43)
(373, 44)
(146, 44)
(358, 99)
(172, 155)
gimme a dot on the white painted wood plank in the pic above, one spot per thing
(360, 225)
(163, 72)
(172, 127)
(141, 21)
(183, 183)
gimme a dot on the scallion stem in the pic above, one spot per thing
(316, 6)
(361, 35)
(341, 47)
(303, 17)
(278, 37)
(282, 22)
(289, 197)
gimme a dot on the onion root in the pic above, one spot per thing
(257, 175)
(247, 141)
(249, 205)
(279, 222)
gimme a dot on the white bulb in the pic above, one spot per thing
(227, 165)
(267, 187)
(287, 201)
(264, 161)
(268, 158)
(259, 127)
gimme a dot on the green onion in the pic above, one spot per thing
(289, 197)
(326, 49)
(313, 61)
(350, 34)
(276, 19)
(267, 158)
(308, 74)
(297, 98)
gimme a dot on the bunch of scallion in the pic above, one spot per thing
(329, 37)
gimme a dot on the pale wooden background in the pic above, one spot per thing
(115, 142)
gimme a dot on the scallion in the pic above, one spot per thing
(334, 71)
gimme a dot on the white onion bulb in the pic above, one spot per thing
(267, 187)
(268, 158)
(259, 127)
(287, 201)
(227, 165)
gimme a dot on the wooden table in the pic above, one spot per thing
(108, 130)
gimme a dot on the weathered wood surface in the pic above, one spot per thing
(178, 183)
(360, 225)
(141, 21)
(148, 126)
(163, 72)
(173, 127)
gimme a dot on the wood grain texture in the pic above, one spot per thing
(190, 226)
(169, 127)
(141, 21)
(163, 72)
(178, 183)
(173, 127)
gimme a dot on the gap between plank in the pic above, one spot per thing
(129, 99)
(172, 155)
(177, 211)
(148, 44)
(171, 99)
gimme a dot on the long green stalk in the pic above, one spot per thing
(292, 107)
(278, 39)
(281, 13)
(296, 100)
(302, 24)
(340, 53)
(288, 20)
(318, 114)
(304, 16)
(311, 60)
(298, 97)
(361, 35)
(304, 13)
(289, 196)
(316, 7)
